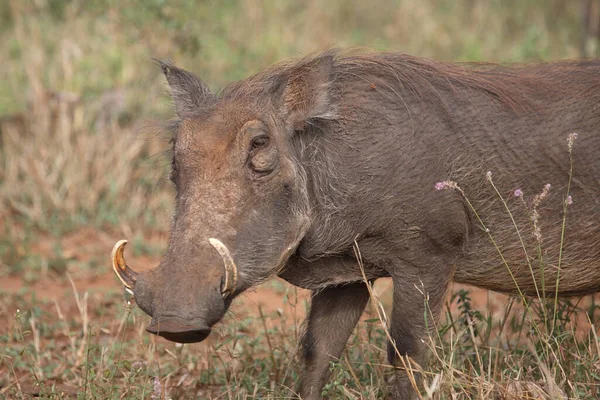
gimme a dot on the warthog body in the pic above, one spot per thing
(292, 168)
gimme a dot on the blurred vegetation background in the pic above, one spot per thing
(80, 97)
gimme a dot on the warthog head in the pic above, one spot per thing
(241, 204)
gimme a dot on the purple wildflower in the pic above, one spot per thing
(446, 185)
(518, 193)
(569, 200)
(156, 389)
(138, 365)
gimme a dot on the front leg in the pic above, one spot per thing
(333, 315)
(418, 300)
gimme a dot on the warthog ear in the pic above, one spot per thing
(188, 92)
(305, 91)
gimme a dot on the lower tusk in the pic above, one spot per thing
(230, 268)
(125, 274)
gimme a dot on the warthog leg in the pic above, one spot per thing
(418, 294)
(333, 315)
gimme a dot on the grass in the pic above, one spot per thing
(93, 345)
(82, 163)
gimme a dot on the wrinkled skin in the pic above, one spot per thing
(294, 166)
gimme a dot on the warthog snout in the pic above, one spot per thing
(177, 330)
(129, 277)
(183, 303)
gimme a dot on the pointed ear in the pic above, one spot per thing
(188, 92)
(305, 92)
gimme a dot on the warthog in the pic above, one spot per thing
(287, 172)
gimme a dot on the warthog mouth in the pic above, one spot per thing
(128, 276)
(176, 330)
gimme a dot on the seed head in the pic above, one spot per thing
(539, 197)
(571, 140)
(537, 234)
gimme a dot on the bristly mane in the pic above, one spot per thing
(421, 76)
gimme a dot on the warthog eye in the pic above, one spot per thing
(262, 155)
(258, 142)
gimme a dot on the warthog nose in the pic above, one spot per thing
(177, 331)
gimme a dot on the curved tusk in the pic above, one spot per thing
(230, 268)
(125, 274)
